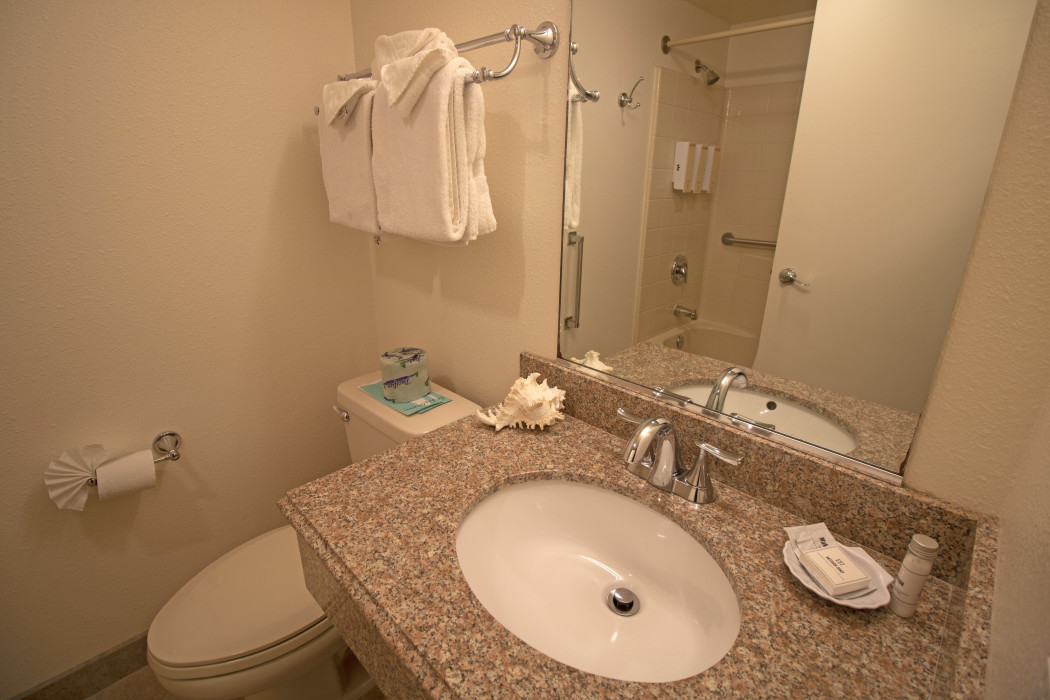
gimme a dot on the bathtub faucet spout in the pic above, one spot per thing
(680, 310)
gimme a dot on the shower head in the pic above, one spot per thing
(712, 77)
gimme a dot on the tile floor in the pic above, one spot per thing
(140, 685)
(143, 685)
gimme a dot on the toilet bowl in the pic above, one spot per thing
(246, 626)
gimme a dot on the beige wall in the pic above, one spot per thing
(476, 308)
(899, 124)
(984, 440)
(166, 263)
(620, 41)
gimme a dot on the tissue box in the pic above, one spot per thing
(405, 373)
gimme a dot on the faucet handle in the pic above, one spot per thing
(724, 455)
(628, 416)
(696, 486)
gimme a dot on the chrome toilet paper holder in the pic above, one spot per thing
(166, 444)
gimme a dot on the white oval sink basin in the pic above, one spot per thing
(789, 417)
(542, 557)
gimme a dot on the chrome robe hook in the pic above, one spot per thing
(627, 101)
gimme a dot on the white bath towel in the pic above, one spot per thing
(406, 62)
(573, 161)
(428, 165)
(346, 161)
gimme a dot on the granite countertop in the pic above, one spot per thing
(883, 433)
(378, 547)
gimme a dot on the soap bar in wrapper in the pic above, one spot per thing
(406, 374)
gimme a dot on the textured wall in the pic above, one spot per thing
(475, 308)
(166, 264)
(984, 439)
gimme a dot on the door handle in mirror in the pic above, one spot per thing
(789, 276)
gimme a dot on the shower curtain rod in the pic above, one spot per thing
(545, 38)
(666, 44)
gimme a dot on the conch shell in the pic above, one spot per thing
(590, 359)
(528, 405)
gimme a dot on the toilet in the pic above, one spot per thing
(246, 626)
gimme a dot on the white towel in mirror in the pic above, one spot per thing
(573, 161)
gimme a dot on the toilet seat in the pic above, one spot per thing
(247, 608)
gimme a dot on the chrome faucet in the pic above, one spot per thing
(696, 486)
(733, 376)
(682, 311)
(652, 454)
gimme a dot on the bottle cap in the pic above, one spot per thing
(923, 545)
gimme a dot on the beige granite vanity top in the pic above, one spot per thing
(378, 546)
(883, 433)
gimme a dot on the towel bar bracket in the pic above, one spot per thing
(584, 95)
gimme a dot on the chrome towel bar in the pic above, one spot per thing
(544, 37)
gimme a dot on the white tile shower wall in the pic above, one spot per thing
(758, 136)
(675, 223)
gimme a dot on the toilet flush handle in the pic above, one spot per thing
(341, 412)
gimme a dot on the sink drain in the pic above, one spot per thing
(623, 601)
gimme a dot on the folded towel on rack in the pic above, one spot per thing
(406, 62)
(428, 165)
(346, 160)
(340, 98)
(573, 161)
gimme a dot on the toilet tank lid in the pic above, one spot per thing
(401, 428)
(251, 598)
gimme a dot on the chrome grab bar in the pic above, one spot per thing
(576, 239)
(729, 239)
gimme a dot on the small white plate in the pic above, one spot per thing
(879, 592)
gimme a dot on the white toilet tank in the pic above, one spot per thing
(373, 427)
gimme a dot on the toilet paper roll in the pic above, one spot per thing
(406, 374)
(127, 474)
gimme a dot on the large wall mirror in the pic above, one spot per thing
(848, 158)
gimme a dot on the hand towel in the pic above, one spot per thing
(407, 61)
(346, 160)
(340, 98)
(573, 161)
(428, 165)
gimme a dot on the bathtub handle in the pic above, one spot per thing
(577, 240)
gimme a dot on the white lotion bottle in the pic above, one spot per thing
(915, 569)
